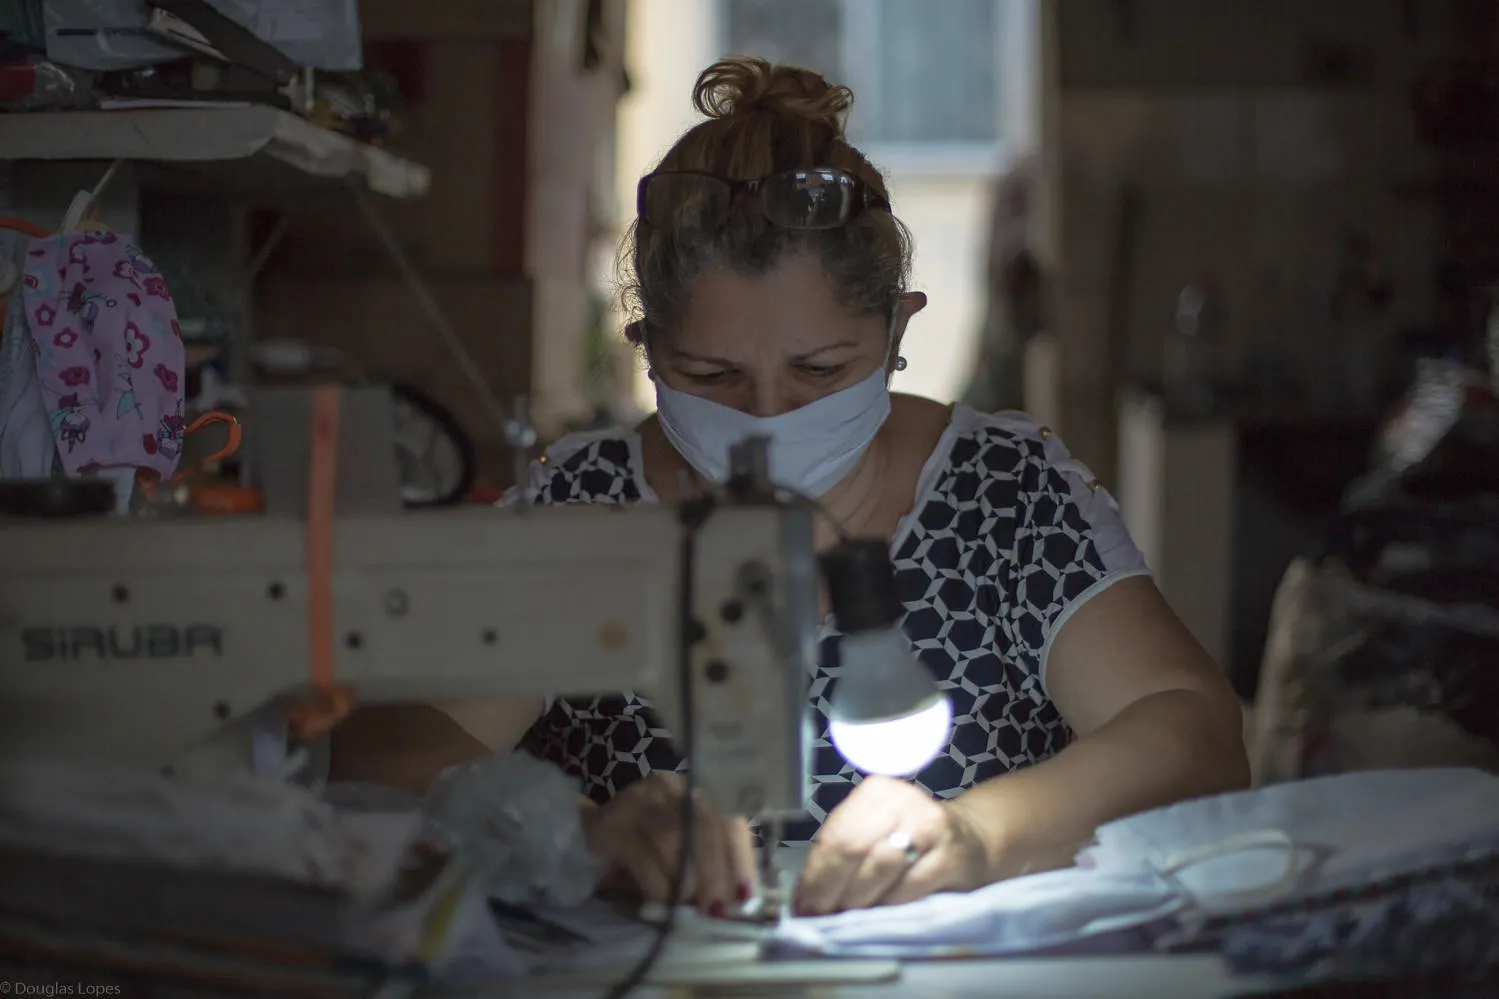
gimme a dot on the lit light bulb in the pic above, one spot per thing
(888, 716)
(895, 747)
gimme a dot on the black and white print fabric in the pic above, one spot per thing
(1009, 536)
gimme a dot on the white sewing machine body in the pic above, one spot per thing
(154, 642)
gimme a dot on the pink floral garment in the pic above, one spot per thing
(109, 352)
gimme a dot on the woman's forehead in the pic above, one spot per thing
(789, 311)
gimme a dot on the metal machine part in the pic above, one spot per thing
(157, 642)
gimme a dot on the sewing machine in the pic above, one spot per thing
(168, 643)
(156, 642)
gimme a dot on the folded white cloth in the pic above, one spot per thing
(1056, 909)
(1285, 842)
(1171, 867)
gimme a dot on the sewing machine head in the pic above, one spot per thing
(152, 641)
(177, 642)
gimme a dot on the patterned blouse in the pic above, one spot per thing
(1009, 535)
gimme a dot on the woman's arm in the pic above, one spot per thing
(407, 745)
(1155, 719)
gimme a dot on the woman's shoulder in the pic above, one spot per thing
(1018, 430)
(1008, 467)
(594, 466)
(998, 444)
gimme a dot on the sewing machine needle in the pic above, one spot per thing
(771, 902)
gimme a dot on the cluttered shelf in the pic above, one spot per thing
(239, 142)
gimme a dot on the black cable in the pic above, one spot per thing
(693, 514)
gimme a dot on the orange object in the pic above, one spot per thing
(329, 703)
(487, 495)
(317, 713)
(226, 499)
(22, 226)
(146, 479)
(236, 435)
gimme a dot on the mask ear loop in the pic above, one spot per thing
(1175, 863)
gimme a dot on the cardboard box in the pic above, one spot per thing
(381, 326)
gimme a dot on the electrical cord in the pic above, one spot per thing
(427, 302)
(692, 515)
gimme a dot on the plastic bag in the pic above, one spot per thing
(33, 84)
(517, 818)
(107, 35)
(359, 797)
(235, 824)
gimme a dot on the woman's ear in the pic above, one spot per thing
(910, 303)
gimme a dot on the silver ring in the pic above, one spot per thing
(900, 841)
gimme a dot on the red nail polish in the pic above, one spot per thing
(744, 892)
(716, 910)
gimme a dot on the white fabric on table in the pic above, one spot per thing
(1227, 854)
(1024, 915)
(1306, 838)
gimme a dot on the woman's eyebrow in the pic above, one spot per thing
(682, 355)
(841, 345)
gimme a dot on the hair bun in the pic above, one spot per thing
(745, 85)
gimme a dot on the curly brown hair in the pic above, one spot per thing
(761, 120)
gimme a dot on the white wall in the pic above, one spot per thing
(949, 220)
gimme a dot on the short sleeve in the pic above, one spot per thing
(589, 468)
(1070, 542)
(600, 467)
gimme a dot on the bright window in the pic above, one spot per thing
(930, 77)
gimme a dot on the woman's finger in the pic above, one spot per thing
(851, 831)
(931, 875)
(640, 861)
(658, 830)
(879, 874)
(741, 847)
(710, 863)
(836, 855)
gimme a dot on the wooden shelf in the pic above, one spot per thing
(258, 147)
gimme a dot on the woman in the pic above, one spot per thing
(771, 290)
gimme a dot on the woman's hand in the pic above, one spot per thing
(638, 835)
(888, 843)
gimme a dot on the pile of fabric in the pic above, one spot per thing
(1378, 873)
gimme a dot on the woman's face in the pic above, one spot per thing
(771, 343)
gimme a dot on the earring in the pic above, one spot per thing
(900, 364)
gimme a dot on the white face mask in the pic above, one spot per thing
(811, 448)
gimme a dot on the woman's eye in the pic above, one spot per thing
(816, 371)
(707, 377)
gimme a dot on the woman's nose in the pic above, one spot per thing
(769, 398)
